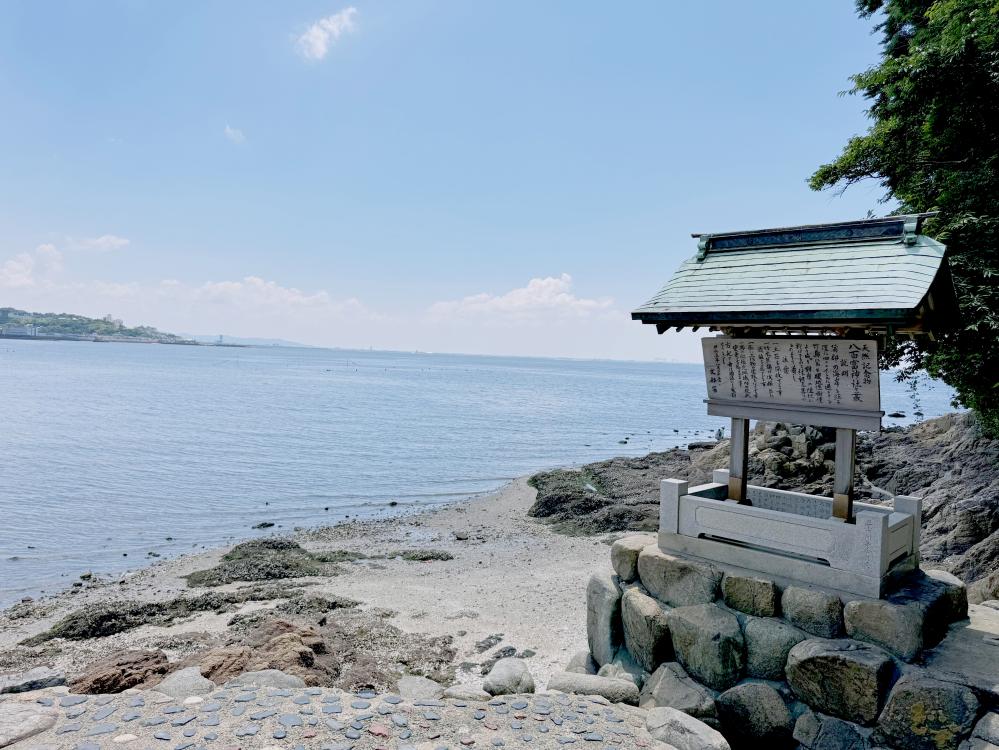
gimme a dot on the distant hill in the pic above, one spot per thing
(244, 341)
(22, 324)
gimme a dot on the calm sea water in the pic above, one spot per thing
(112, 451)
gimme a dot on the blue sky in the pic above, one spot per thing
(504, 178)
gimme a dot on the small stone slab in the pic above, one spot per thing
(624, 555)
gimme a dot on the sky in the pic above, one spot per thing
(435, 175)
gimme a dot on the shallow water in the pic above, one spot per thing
(114, 451)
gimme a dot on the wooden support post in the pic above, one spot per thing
(846, 443)
(738, 465)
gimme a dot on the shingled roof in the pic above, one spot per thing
(875, 274)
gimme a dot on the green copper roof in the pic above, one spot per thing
(860, 273)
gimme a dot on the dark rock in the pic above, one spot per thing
(708, 643)
(646, 633)
(754, 715)
(816, 731)
(844, 678)
(927, 714)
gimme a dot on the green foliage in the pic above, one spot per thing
(934, 146)
(65, 324)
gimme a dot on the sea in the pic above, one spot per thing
(113, 455)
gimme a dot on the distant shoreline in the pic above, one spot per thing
(110, 340)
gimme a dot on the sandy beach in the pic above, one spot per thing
(503, 563)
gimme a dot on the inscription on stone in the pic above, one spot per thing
(812, 372)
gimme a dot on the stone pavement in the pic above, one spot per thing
(259, 717)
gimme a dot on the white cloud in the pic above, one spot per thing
(541, 298)
(27, 270)
(316, 41)
(234, 134)
(104, 243)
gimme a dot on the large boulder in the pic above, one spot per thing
(603, 617)
(670, 686)
(844, 678)
(121, 671)
(682, 731)
(646, 634)
(708, 643)
(184, 683)
(624, 555)
(754, 596)
(768, 642)
(897, 628)
(509, 675)
(923, 713)
(677, 580)
(815, 731)
(817, 612)
(36, 678)
(754, 715)
(614, 690)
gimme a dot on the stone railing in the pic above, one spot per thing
(791, 535)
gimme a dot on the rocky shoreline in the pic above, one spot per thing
(456, 599)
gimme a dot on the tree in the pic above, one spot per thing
(934, 146)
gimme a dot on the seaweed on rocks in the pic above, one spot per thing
(422, 555)
(109, 618)
(263, 560)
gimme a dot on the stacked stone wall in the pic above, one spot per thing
(776, 666)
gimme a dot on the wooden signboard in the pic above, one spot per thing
(821, 381)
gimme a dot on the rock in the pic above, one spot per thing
(754, 596)
(923, 713)
(185, 682)
(18, 721)
(682, 731)
(33, 679)
(509, 675)
(708, 643)
(754, 715)
(412, 687)
(616, 691)
(817, 612)
(624, 555)
(221, 664)
(603, 617)
(466, 693)
(985, 735)
(274, 678)
(984, 589)
(844, 678)
(897, 628)
(121, 671)
(646, 634)
(942, 599)
(676, 580)
(816, 731)
(670, 686)
(624, 668)
(582, 663)
(768, 642)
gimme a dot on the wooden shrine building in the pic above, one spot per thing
(802, 314)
